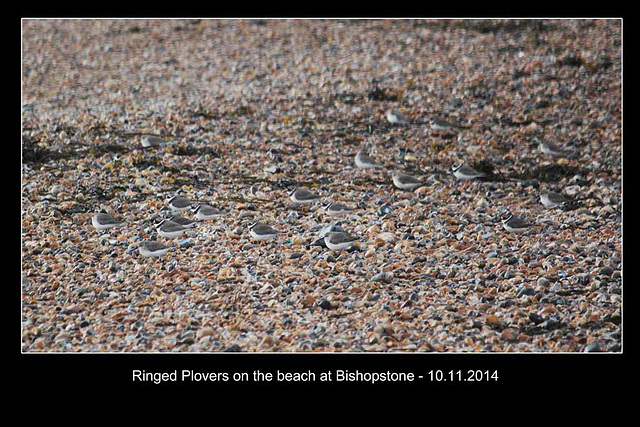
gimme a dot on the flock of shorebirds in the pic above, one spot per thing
(333, 237)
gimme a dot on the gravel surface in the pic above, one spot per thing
(253, 108)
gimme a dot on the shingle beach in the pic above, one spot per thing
(248, 110)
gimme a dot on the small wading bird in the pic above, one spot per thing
(465, 172)
(337, 241)
(205, 212)
(178, 203)
(337, 209)
(405, 182)
(302, 196)
(151, 248)
(169, 229)
(514, 224)
(551, 200)
(261, 231)
(152, 141)
(550, 149)
(395, 117)
(103, 221)
(364, 161)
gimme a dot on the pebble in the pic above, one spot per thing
(606, 270)
(385, 277)
(543, 282)
(386, 237)
(592, 348)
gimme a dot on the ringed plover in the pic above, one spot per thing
(205, 212)
(465, 172)
(514, 224)
(179, 203)
(364, 161)
(396, 117)
(337, 208)
(337, 241)
(551, 200)
(185, 222)
(405, 182)
(302, 196)
(152, 141)
(550, 149)
(169, 229)
(103, 221)
(151, 248)
(261, 231)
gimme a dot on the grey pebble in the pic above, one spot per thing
(592, 348)
(525, 290)
(509, 274)
(185, 243)
(606, 270)
(536, 318)
(543, 282)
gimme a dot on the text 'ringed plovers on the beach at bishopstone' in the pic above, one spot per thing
(103, 221)
(515, 224)
(261, 231)
(152, 248)
(404, 181)
(464, 172)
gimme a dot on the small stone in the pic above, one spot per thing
(385, 210)
(492, 318)
(525, 290)
(509, 335)
(326, 304)
(551, 324)
(373, 229)
(204, 332)
(592, 348)
(383, 277)
(386, 236)
(543, 282)
(536, 318)
(185, 243)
